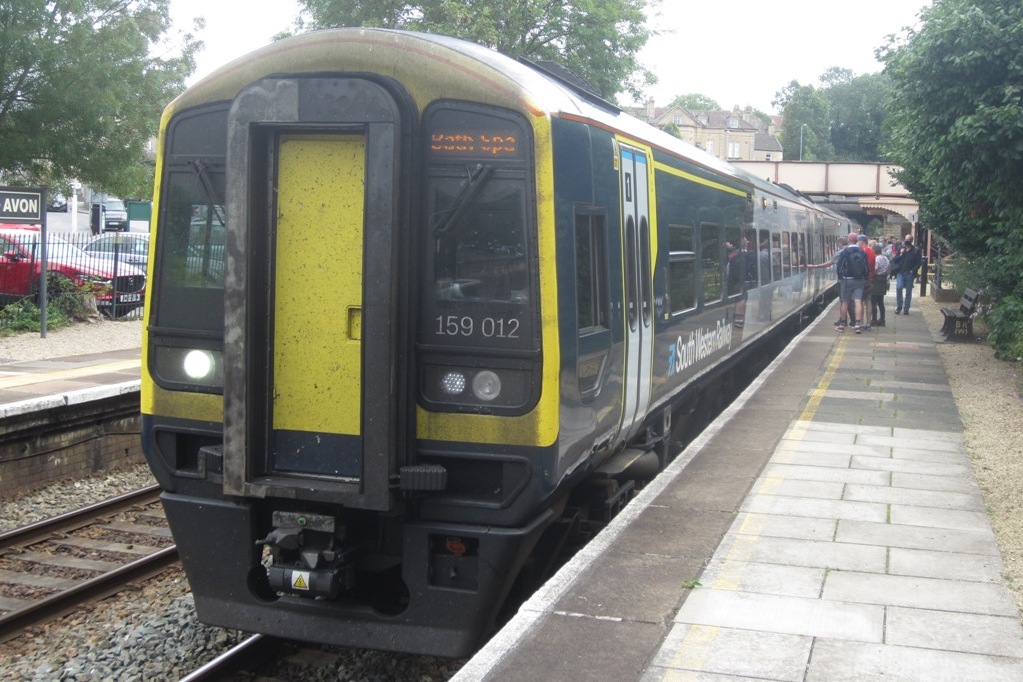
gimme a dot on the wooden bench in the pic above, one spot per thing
(958, 325)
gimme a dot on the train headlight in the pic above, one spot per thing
(486, 385)
(199, 365)
(189, 369)
(497, 389)
(453, 383)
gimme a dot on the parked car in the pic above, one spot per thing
(20, 267)
(132, 249)
(115, 216)
(56, 203)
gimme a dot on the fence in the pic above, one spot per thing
(108, 268)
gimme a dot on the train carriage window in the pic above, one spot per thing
(801, 251)
(644, 270)
(592, 300)
(681, 268)
(786, 254)
(631, 292)
(591, 272)
(712, 261)
(735, 261)
(776, 256)
(764, 256)
(749, 253)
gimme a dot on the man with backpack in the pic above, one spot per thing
(851, 265)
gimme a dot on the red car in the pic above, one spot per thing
(20, 267)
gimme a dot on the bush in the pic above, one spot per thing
(1006, 319)
(65, 304)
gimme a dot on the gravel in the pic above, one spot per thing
(989, 395)
(150, 632)
(97, 335)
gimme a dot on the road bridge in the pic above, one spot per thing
(863, 191)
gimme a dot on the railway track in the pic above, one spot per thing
(49, 568)
(246, 655)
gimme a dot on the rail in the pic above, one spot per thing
(245, 655)
(108, 582)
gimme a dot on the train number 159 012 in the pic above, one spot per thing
(488, 327)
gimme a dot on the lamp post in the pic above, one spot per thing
(801, 141)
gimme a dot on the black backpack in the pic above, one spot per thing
(853, 264)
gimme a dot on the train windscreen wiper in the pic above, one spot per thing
(477, 179)
(215, 202)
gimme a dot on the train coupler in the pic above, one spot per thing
(307, 556)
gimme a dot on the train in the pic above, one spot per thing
(412, 305)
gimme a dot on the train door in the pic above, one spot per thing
(635, 201)
(317, 271)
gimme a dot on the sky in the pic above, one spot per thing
(737, 52)
(743, 52)
(233, 27)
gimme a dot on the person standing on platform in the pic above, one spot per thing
(882, 266)
(851, 265)
(905, 266)
(869, 285)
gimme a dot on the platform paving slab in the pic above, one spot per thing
(783, 615)
(945, 631)
(843, 661)
(947, 565)
(925, 593)
(692, 651)
(970, 541)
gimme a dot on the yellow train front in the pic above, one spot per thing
(406, 293)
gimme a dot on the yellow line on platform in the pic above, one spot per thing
(818, 393)
(27, 379)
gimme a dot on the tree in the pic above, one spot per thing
(80, 94)
(956, 124)
(597, 39)
(695, 100)
(858, 111)
(806, 119)
(842, 120)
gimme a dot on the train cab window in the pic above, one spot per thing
(478, 303)
(478, 265)
(681, 268)
(192, 239)
(711, 259)
(480, 255)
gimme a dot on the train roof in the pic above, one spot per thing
(432, 65)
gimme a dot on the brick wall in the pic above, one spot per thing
(68, 442)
